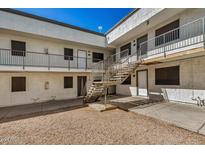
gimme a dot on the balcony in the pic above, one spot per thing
(11, 60)
(188, 37)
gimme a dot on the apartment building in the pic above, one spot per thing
(163, 49)
(42, 59)
(169, 47)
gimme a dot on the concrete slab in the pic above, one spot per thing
(102, 107)
(186, 116)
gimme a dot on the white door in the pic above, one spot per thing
(142, 83)
(82, 59)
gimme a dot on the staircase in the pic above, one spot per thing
(112, 71)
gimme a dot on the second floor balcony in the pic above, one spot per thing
(181, 40)
(16, 60)
(186, 37)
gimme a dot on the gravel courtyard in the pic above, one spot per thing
(86, 126)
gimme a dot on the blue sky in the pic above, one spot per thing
(83, 17)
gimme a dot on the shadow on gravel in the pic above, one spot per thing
(13, 113)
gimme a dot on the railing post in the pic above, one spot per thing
(77, 62)
(86, 63)
(24, 55)
(69, 63)
(48, 61)
(140, 54)
(164, 45)
(204, 31)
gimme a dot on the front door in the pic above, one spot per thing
(142, 46)
(82, 85)
(142, 83)
(82, 55)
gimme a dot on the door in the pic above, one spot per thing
(82, 85)
(82, 55)
(142, 46)
(142, 83)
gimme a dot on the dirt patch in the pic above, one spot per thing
(86, 126)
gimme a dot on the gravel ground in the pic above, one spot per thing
(86, 126)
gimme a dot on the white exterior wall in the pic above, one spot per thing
(192, 75)
(133, 21)
(35, 88)
(53, 46)
(28, 25)
(185, 17)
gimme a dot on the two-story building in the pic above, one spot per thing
(170, 44)
(42, 59)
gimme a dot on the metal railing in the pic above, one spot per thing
(107, 68)
(186, 35)
(34, 59)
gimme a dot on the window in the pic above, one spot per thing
(68, 54)
(170, 31)
(143, 45)
(18, 84)
(97, 56)
(124, 48)
(68, 82)
(128, 80)
(167, 76)
(18, 48)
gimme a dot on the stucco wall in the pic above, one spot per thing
(192, 75)
(54, 47)
(35, 87)
(133, 21)
(33, 26)
(185, 17)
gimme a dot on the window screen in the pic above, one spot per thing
(167, 76)
(18, 48)
(68, 82)
(97, 56)
(18, 84)
(68, 54)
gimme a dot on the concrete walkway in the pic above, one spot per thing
(189, 117)
(36, 109)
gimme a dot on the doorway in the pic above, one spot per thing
(81, 83)
(82, 59)
(142, 83)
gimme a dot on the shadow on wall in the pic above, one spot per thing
(194, 96)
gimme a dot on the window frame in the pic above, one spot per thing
(168, 81)
(69, 86)
(95, 60)
(18, 52)
(23, 89)
(68, 56)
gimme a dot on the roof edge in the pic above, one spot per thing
(122, 20)
(49, 20)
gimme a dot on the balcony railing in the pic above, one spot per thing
(189, 34)
(34, 59)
